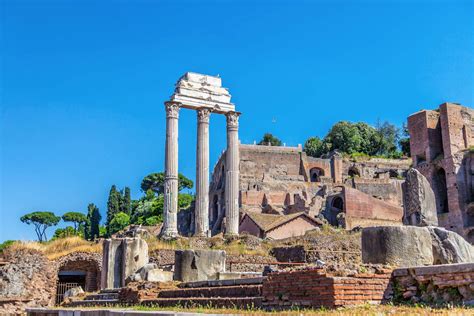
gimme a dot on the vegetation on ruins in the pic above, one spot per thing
(41, 221)
(270, 140)
(148, 210)
(119, 222)
(383, 140)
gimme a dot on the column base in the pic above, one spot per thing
(169, 235)
(203, 234)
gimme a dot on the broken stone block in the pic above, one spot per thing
(401, 246)
(419, 201)
(158, 275)
(450, 247)
(73, 292)
(121, 258)
(198, 265)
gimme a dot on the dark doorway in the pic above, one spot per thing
(68, 280)
(442, 191)
(316, 174)
(215, 209)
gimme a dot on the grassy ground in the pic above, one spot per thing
(364, 310)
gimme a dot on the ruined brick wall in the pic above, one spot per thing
(450, 283)
(364, 210)
(440, 150)
(314, 288)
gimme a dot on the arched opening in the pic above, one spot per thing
(442, 191)
(338, 203)
(315, 174)
(78, 269)
(336, 207)
(353, 172)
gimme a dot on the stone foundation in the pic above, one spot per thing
(450, 283)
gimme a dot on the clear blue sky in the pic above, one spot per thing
(83, 82)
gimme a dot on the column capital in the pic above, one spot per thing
(172, 109)
(232, 119)
(203, 115)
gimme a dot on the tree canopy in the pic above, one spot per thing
(155, 182)
(76, 218)
(41, 221)
(119, 222)
(352, 138)
(270, 140)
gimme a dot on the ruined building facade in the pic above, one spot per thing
(284, 180)
(441, 148)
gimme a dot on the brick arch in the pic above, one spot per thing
(88, 263)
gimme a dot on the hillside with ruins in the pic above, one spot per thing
(262, 158)
(345, 227)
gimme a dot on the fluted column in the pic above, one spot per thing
(232, 174)
(201, 212)
(170, 225)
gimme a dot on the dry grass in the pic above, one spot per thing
(59, 247)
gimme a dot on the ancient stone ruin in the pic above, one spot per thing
(206, 95)
(297, 231)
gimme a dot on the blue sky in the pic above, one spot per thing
(83, 83)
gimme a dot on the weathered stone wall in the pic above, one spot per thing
(314, 288)
(450, 283)
(29, 279)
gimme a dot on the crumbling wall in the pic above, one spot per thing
(450, 283)
(314, 288)
(29, 279)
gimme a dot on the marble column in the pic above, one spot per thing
(170, 225)
(201, 212)
(232, 174)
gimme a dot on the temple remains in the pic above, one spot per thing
(253, 185)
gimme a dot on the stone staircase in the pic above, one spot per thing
(238, 293)
(105, 297)
(233, 293)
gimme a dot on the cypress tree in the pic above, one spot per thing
(113, 205)
(93, 221)
(126, 202)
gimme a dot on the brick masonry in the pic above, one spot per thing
(314, 288)
(450, 283)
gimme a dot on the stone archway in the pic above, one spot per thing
(315, 174)
(82, 268)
